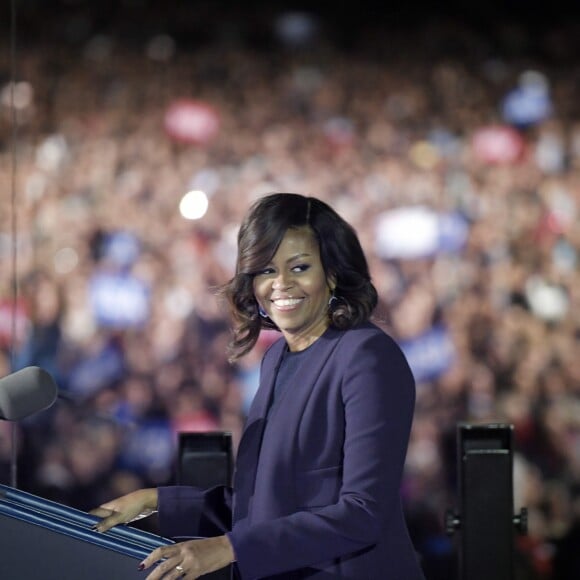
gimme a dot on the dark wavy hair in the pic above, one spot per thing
(341, 254)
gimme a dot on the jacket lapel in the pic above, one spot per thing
(253, 447)
(251, 441)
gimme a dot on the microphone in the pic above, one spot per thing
(26, 392)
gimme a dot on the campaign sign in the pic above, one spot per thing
(429, 355)
(119, 299)
(526, 106)
(190, 121)
(501, 145)
(409, 233)
(148, 447)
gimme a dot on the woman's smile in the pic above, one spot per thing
(287, 304)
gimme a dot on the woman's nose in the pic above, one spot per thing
(282, 281)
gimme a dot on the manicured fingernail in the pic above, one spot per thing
(141, 566)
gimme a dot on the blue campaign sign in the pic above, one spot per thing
(122, 248)
(430, 354)
(97, 371)
(119, 299)
(413, 232)
(526, 106)
(453, 232)
(148, 447)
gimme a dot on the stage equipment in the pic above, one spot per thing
(485, 521)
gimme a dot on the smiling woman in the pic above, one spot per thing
(319, 465)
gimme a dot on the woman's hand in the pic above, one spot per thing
(127, 508)
(190, 559)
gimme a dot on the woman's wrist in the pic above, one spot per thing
(229, 548)
(152, 498)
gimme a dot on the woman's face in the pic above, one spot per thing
(294, 290)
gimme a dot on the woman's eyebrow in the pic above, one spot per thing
(297, 257)
(292, 259)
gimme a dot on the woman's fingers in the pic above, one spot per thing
(101, 512)
(125, 509)
(189, 560)
(111, 521)
(171, 565)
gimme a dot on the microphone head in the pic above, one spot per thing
(26, 392)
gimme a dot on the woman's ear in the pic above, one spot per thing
(331, 281)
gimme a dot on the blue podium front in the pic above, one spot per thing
(44, 540)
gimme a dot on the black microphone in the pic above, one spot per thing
(26, 392)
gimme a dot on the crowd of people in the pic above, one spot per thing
(467, 210)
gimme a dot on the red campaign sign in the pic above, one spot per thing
(190, 121)
(498, 144)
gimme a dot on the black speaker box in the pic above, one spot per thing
(486, 493)
(205, 460)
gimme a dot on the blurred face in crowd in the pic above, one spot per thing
(294, 289)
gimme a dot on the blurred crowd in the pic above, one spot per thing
(456, 158)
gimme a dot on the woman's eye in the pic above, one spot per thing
(265, 271)
(301, 268)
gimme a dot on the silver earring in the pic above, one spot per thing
(332, 302)
(262, 312)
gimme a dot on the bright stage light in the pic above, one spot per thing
(193, 205)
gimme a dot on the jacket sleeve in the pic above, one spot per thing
(193, 512)
(378, 395)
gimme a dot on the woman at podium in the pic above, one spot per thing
(319, 465)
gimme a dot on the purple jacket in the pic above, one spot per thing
(316, 486)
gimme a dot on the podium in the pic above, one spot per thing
(41, 539)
